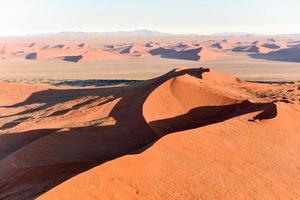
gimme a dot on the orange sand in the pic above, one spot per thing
(189, 134)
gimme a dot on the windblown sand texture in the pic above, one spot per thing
(188, 134)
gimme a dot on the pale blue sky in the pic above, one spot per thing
(20, 17)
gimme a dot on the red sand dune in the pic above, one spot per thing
(189, 134)
(72, 54)
(222, 45)
(12, 93)
(270, 45)
(195, 54)
(136, 50)
(207, 54)
(190, 54)
(98, 54)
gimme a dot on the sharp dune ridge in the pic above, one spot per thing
(133, 137)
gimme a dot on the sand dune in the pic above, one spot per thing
(287, 55)
(75, 58)
(207, 54)
(59, 46)
(222, 45)
(97, 54)
(13, 93)
(72, 55)
(252, 49)
(31, 45)
(217, 45)
(191, 54)
(149, 45)
(213, 126)
(271, 46)
(187, 53)
(126, 50)
(31, 56)
(81, 45)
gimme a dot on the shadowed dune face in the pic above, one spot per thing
(182, 46)
(251, 49)
(72, 58)
(186, 102)
(149, 45)
(59, 46)
(271, 46)
(217, 45)
(207, 115)
(126, 50)
(191, 54)
(31, 45)
(81, 45)
(31, 56)
(288, 55)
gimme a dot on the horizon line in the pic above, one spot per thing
(150, 32)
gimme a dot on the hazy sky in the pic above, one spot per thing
(20, 17)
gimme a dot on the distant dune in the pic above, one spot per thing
(285, 55)
(190, 54)
(149, 45)
(217, 45)
(72, 58)
(31, 45)
(252, 49)
(31, 56)
(190, 48)
(271, 46)
(126, 50)
(59, 46)
(81, 45)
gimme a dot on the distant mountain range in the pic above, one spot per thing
(232, 34)
(149, 33)
(141, 32)
(145, 32)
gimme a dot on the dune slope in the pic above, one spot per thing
(287, 55)
(189, 134)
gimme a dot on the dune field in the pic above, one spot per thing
(172, 117)
(45, 59)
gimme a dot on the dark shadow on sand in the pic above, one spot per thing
(283, 55)
(191, 54)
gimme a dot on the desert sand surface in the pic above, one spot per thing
(84, 116)
(191, 133)
(70, 56)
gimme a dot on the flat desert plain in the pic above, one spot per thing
(157, 118)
